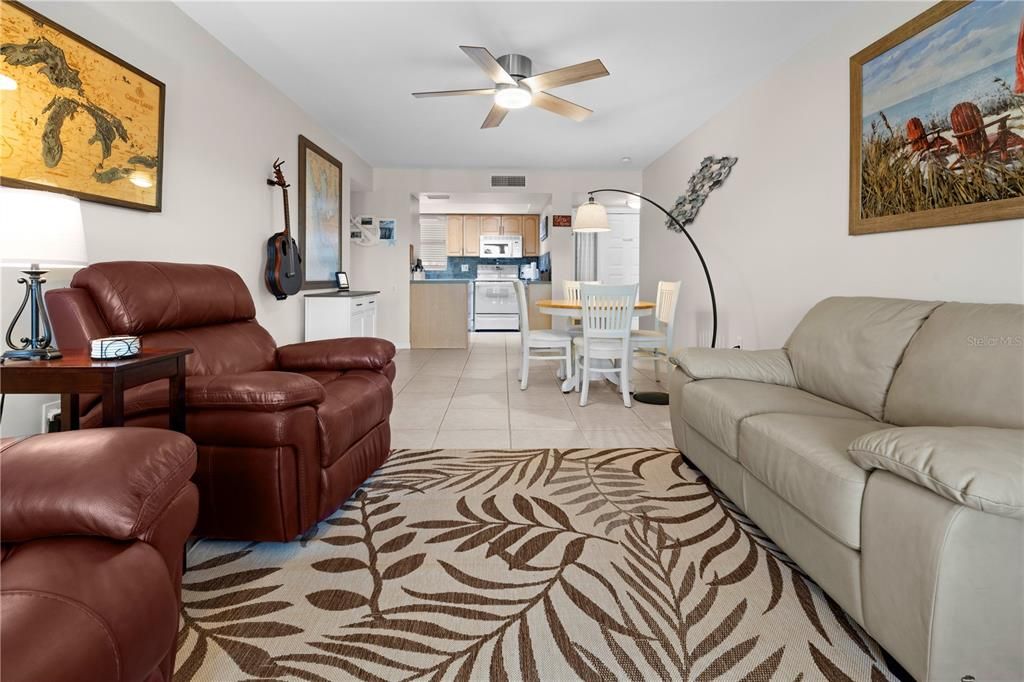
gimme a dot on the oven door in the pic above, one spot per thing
(495, 298)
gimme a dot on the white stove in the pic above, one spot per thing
(494, 299)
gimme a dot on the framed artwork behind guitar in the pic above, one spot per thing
(320, 215)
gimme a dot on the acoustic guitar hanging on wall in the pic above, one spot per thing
(284, 264)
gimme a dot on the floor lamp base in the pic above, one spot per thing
(651, 397)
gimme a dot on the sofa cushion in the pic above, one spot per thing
(846, 349)
(804, 460)
(964, 368)
(356, 402)
(978, 467)
(74, 608)
(137, 297)
(716, 407)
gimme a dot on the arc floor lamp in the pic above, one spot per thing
(593, 217)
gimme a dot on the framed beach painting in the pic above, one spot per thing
(320, 223)
(74, 118)
(937, 120)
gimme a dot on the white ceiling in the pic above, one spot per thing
(353, 65)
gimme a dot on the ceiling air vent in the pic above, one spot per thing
(508, 181)
(439, 197)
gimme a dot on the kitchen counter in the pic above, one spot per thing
(342, 294)
(448, 280)
(438, 313)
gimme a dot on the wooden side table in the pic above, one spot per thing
(77, 373)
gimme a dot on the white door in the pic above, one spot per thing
(618, 250)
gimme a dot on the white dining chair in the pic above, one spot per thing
(607, 318)
(571, 287)
(557, 343)
(655, 343)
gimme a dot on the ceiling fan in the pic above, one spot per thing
(515, 86)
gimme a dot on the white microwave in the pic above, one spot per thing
(498, 246)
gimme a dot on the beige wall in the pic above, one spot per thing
(393, 195)
(775, 234)
(224, 126)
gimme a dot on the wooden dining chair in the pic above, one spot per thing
(607, 320)
(571, 288)
(558, 344)
(656, 343)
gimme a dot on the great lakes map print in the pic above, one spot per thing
(74, 118)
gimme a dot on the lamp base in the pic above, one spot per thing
(651, 397)
(33, 354)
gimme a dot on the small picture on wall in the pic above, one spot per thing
(561, 220)
(388, 230)
(544, 228)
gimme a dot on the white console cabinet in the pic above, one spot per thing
(341, 314)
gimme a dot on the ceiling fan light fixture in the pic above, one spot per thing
(513, 96)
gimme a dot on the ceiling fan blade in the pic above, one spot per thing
(488, 63)
(557, 105)
(452, 93)
(494, 117)
(567, 75)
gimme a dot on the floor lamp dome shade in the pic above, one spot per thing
(41, 231)
(591, 217)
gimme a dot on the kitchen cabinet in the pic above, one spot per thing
(490, 224)
(340, 314)
(456, 235)
(538, 291)
(530, 236)
(464, 232)
(438, 314)
(512, 224)
(471, 235)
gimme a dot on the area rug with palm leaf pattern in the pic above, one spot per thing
(621, 564)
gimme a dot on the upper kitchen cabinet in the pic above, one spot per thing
(490, 224)
(512, 224)
(456, 236)
(531, 235)
(471, 235)
(464, 232)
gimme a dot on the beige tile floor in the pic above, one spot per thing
(471, 399)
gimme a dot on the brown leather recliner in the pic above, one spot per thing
(285, 434)
(93, 524)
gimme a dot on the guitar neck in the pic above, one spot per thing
(287, 220)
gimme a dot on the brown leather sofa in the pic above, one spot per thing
(93, 524)
(285, 434)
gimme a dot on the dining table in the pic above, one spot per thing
(574, 309)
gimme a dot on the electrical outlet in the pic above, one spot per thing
(50, 410)
(465, 268)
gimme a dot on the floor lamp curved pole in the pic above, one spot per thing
(658, 397)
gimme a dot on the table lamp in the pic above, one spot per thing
(41, 231)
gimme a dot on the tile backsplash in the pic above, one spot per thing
(455, 263)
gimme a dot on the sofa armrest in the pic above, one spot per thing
(336, 355)
(977, 467)
(112, 483)
(763, 366)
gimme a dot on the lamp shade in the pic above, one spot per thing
(591, 217)
(41, 228)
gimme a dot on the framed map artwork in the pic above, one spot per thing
(320, 220)
(74, 118)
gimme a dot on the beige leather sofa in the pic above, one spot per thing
(883, 450)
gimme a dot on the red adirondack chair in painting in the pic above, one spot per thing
(920, 141)
(973, 139)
